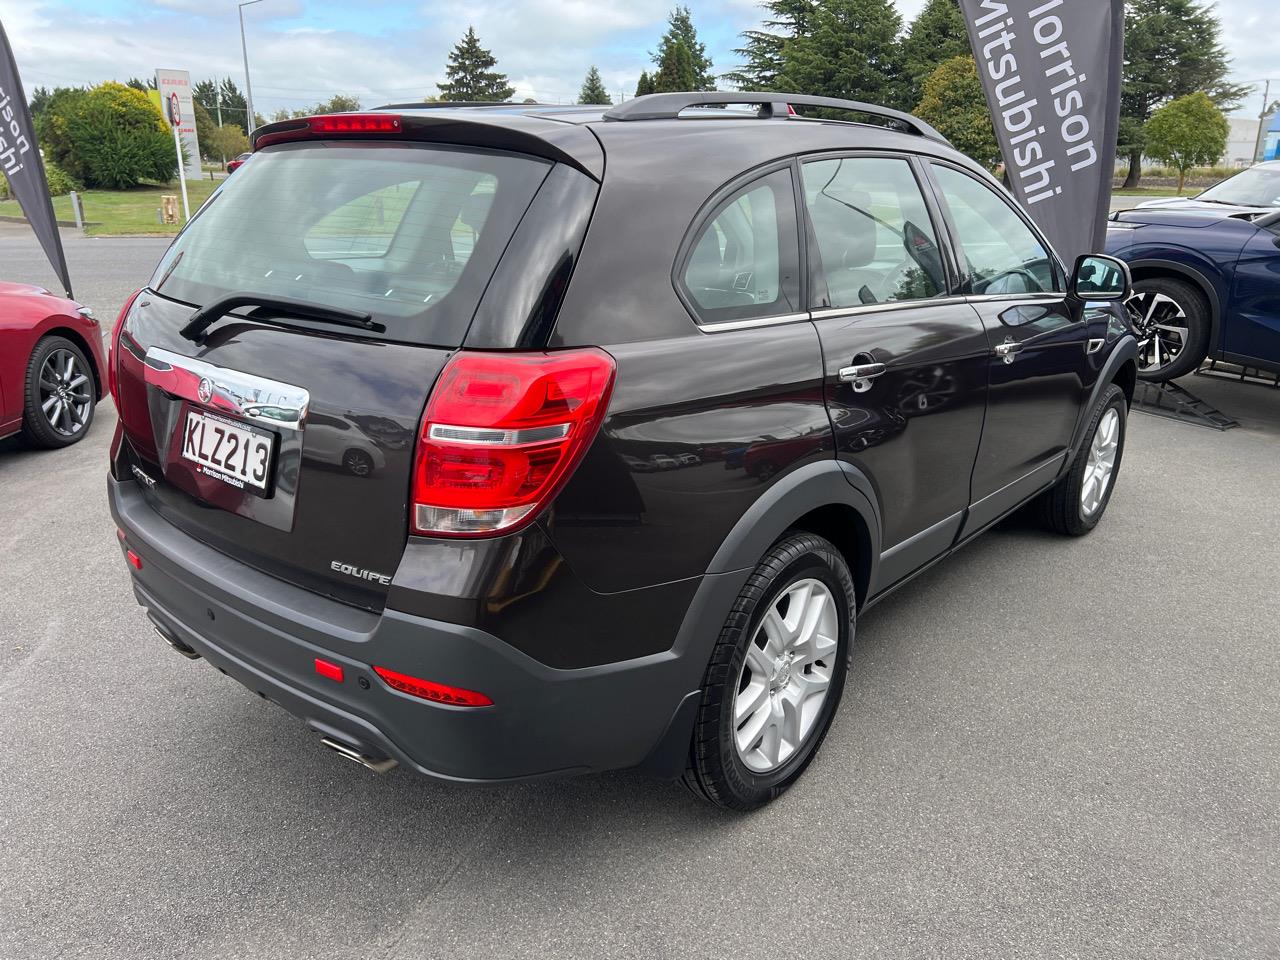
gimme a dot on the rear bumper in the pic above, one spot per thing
(266, 634)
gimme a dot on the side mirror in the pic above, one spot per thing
(1101, 278)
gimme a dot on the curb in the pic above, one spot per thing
(61, 223)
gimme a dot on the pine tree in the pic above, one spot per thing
(852, 52)
(593, 90)
(234, 107)
(681, 32)
(1173, 48)
(935, 36)
(763, 50)
(470, 74)
(676, 72)
(645, 85)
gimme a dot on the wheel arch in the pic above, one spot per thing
(1150, 269)
(831, 499)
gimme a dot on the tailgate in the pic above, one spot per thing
(339, 417)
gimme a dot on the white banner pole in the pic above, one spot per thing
(182, 174)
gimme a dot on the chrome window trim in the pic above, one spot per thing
(728, 325)
(1015, 298)
(832, 313)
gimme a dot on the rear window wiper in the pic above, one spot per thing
(268, 306)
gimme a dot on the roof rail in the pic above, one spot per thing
(449, 104)
(667, 106)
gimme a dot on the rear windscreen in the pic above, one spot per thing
(409, 234)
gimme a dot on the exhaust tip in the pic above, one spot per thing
(376, 764)
(173, 641)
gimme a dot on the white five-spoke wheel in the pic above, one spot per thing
(786, 675)
(775, 674)
(1076, 503)
(1101, 463)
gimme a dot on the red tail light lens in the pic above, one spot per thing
(113, 350)
(436, 692)
(501, 435)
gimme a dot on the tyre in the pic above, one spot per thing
(60, 394)
(1077, 503)
(1171, 318)
(775, 677)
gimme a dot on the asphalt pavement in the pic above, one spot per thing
(1047, 748)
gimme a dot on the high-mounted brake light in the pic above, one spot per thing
(355, 123)
(436, 692)
(113, 351)
(501, 435)
(328, 125)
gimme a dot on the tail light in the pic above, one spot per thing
(501, 435)
(113, 352)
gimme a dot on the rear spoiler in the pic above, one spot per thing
(559, 142)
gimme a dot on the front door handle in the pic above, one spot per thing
(1008, 350)
(861, 375)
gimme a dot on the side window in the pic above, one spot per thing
(1005, 258)
(875, 240)
(745, 262)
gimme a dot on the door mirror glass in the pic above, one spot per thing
(1101, 278)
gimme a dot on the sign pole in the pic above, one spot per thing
(175, 119)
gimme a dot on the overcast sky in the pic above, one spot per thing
(302, 51)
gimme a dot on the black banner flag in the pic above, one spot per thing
(21, 162)
(1052, 73)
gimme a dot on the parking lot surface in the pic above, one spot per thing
(1047, 748)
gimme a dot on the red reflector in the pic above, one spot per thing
(355, 123)
(436, 692)
(330, 670)
(501, 435)
(135, 561)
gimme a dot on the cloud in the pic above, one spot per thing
(381, 50)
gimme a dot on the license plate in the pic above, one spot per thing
(229, 451)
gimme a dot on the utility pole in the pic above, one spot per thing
(248, 85)
(1262, 122)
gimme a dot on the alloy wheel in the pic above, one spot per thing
(786, 676)
(1162, 327)
(1102, 462)
(64, 393)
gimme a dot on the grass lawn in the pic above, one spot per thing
(117, 212)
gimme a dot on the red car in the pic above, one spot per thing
(238, 162)
(51, 363)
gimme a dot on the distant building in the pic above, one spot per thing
(1242, 143)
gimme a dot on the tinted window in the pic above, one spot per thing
(1004, 256)
(875, 239)
(745, 260)
(408, 234)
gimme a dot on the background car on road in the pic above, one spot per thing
(51, 365)
(1205, 285)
